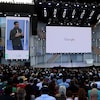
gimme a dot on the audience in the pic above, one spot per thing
(27, 83)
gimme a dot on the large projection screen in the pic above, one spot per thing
(62, 39)
(17, 47)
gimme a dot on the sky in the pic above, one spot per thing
(17, 1)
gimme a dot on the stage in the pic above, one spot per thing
(67, 65)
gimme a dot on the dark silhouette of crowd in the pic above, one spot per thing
(28, 83)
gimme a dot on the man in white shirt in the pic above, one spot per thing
(40, 83)
(44, 95)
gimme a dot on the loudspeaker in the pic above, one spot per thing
(34, 21)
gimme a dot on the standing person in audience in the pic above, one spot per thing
(40, 83)
(35, 88)
(94, 85)
(81, 95)
(44, 95)
(29, 93)
(21, 93)
(86, 86)
(64, 83)
(52, 88)
(62, 93)
(69, 95)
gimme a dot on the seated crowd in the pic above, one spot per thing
(27, 83)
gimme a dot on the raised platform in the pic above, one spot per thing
(67, 65)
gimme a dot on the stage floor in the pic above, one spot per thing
(67, 65)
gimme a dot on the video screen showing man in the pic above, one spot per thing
(15, 36)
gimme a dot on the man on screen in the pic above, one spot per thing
(16, 35)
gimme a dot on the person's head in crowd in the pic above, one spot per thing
(35, 81)
(69, 94)
(21, 93)
(62, 90)
(72, 82)
(94, 85)
(21, 80)
(44, 89)
(52, 87)
(82, 94)
(44, 84)
(86, 82)
(94, 94)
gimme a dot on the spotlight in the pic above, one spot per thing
(66, 4)
(4, 14)
(74, 5)
(18, 15)
(57, 4)
(91, 14)
(40, 3)
(29, 15)
(77, 23)
(98, 17)
(45, 12)
(67, 23)
(49, 21)
(64, 13)
(78, 5)
(49, 3)
(86, 6)
(73, 13)
(55, 12)
(15, 15)
(71, 23)
(88, 24)
(82, 14)
(72, 16)
(61, 23)
(93, 6)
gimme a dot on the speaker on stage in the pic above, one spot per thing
(34, 25)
